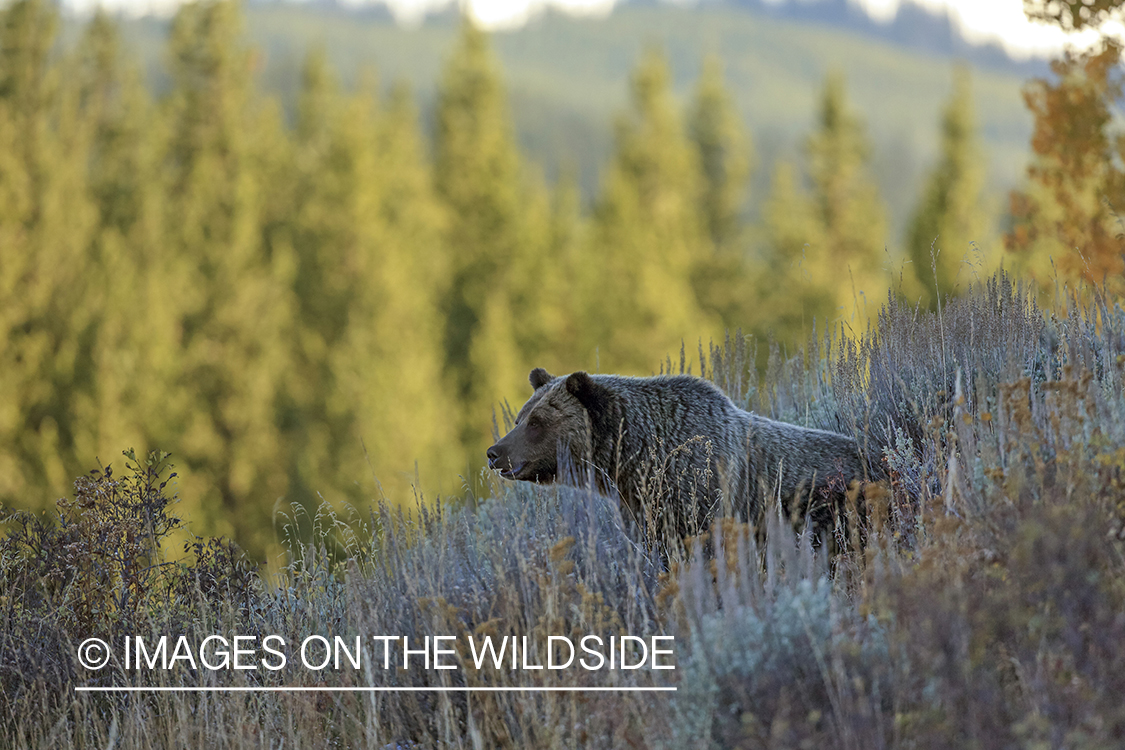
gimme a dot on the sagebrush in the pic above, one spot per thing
(978, 600)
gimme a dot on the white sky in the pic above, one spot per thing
(1002, 21)
(994, 20)
(991, 20)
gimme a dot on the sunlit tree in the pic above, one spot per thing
(952, 213)
(231, 304)
(48, 319)
(648, 233)
(1067, 219)
(825, 242)
(725, 153)
(492, 310)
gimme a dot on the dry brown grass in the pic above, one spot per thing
(978, 600)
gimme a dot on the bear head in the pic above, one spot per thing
(556, 419)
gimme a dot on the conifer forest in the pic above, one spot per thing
(253, 350)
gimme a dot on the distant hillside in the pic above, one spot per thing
(568, 79)
(914, 27)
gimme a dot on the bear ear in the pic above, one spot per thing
(591, 395)
(539, 378)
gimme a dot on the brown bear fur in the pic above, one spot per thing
(675, 449)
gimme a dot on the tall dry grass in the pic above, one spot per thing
(975, 599)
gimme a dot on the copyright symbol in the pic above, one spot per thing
(93, 653)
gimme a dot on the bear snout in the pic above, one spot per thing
(497, 459)
(500, 459)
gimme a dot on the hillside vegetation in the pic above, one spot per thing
(315, 302)
(567, 79)
(976, 601)
(323, 296)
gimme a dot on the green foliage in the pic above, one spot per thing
(567, 252)
(564, 75)
(847, 205)
(293, 309)
(126, 138)
(788, 281)
(951, 216)
(46, 217)
(493, 316)
(725, 156)
(321, 312)
(825, 248)
(365, 232)
(649, 235)
(391, 366)
(721, 276)
(231, 305)
(187, 273)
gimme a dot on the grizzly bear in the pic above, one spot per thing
(675, 449)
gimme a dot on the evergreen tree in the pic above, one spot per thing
(401, 329)
(794, 289)
(116, 108)
(825, 247)
(317, 233)
(368, 239)
(848, 207)
(47, 320)
(231, 303)
(649, 236)
(135, 325)
(725, 154)
(479, 177)
(567, 253)
(951, 214)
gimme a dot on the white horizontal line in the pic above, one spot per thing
(365, 689)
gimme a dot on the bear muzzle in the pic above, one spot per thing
(499, 460)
